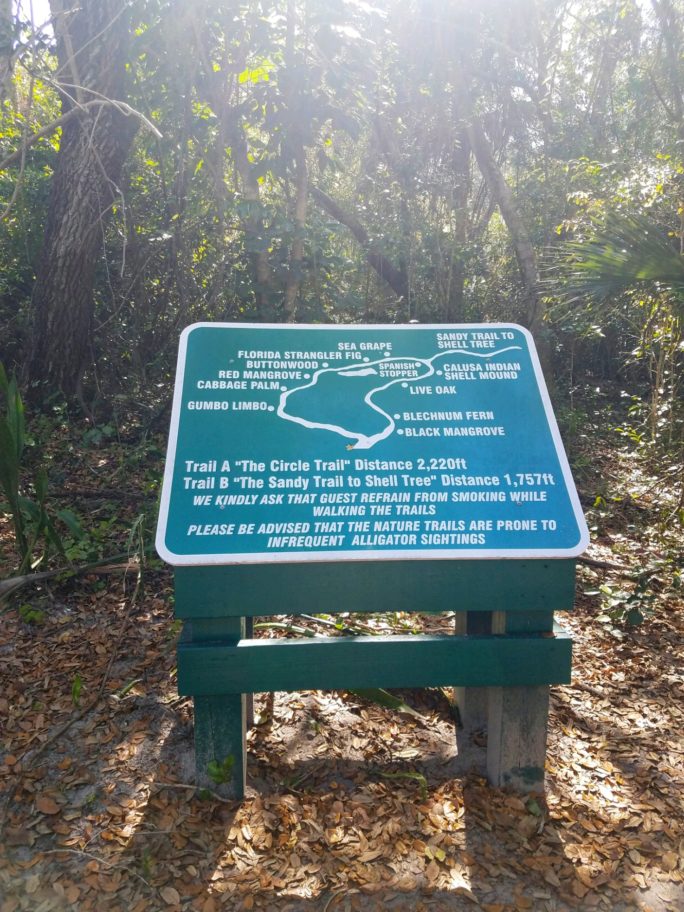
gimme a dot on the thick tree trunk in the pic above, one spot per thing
(6, 36)
(91, 44)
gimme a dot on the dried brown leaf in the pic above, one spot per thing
(170, 895)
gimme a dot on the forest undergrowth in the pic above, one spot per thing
(350, 805)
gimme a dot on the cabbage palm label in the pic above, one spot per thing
(325, 443)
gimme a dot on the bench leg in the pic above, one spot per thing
(249, 698)
(516, 737)
(220, 719)
(472, 702)
(518, 718)
(220, 747)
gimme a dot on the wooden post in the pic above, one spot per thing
(249, 698)
(517, 729)
(516, 737)
(472, 702)
(220, 745)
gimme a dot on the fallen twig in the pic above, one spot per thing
(102, 861)
(194, 788)
(112, 564)
(602, 565)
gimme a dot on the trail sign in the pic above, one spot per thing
(327, 443)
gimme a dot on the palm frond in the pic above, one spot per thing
(626, 252)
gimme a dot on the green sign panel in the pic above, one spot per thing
(304, 443)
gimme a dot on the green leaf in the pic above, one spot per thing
(533, 807)
(15, 417)
(31, 508)
(76, 689)
(9, 464)
(41, 484)
(624, 252)
(388, 700)
(31, 615)
(51, 534)
(221, 772)
(410, 774)
(633, 617)
(72, 522)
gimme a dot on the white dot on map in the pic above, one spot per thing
(283, 389)
(404, 385)
(400, 431)
(439, 373)
(397, 417)
(271, 408)
(325, 364)
(366, 359)
(387, 354)
(306, 376)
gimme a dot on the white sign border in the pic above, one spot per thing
(305, 557)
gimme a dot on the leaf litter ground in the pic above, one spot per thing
(350, 806)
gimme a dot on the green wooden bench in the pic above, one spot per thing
(293, 450)
(503, 655)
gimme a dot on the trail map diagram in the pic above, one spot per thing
(365, 426)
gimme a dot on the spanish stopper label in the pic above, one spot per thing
(325, 443)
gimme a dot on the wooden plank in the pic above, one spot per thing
(516, 737)
(529, 622)
(352, 662)
(373, 586)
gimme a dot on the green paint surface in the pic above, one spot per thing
(394, 661)
(425, 586)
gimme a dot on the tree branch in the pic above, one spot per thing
(394, 277)
(65, 118)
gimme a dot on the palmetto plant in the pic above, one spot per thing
(11, 449)
(29, 517)
(633, 262)
(627, 251)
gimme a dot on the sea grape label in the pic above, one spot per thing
(303, 443)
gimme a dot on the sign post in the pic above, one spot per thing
(400, 463)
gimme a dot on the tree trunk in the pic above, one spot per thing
(501, 193)
(524, 251)
(454, 302)
(6, 36)
(91, 44)
(294, 275)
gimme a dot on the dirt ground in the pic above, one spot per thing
(350, 805)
